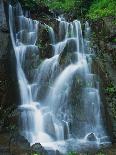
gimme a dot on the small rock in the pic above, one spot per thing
(91, 137)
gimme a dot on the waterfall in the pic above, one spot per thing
(68, 115)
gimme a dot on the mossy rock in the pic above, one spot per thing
(69, 54)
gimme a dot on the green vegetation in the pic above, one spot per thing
(32, 4)
(77, 6)
(111, 90)
(36, 154)
(114, 40)
(100, 154)
(102, 8)
(74, 153)
(64, 5)
(82, 7)
(92, 9)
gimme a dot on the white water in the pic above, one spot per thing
(48, 120)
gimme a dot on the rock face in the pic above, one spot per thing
(16, 144)
(104, 65)
(8, 84)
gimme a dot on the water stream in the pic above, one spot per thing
(69, 117)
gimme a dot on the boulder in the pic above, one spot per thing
(91, 137)
(19, 145)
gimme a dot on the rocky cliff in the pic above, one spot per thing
(8, 82)
(104, 44)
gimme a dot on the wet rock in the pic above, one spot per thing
(49, 125)
(8, 84)
(19, 145)
(46, 52)
(44, 42)
(71, 45)
(66, 130)
(42, 90)
(4, 28)
(66, 59)
(91, 137)
(44, 38)
(3, 22)
(69, 54)
(53, 152)
(38, 148)
(31, 62)
(4, 143)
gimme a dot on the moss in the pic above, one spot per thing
(72, 153)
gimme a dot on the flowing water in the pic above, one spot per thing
(68, 117)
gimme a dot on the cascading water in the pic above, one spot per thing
(58, 121)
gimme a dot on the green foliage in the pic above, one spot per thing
(82, 6)
(64, 5)
(72, 153)
(36, 154)
(32, 4)
(78, 6)
(111, 90)
(114, 40)
(101, 8)
(92, 9)
(100, 153)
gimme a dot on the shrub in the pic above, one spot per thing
(101, 8)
